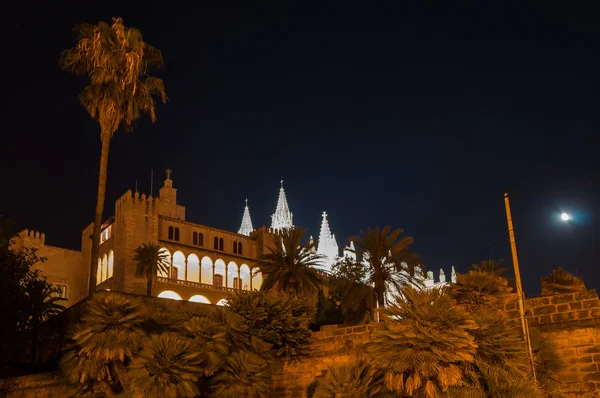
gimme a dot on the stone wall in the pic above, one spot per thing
(34, 386)
(61, 266)
(571, 321)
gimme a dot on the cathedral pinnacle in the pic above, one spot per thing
(328, 247)
(282, 218)
(246, 228)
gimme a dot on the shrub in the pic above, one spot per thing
(276, 318)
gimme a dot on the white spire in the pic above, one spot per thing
(246, 228)
(453, 275)
(328, 247)
(282, 218)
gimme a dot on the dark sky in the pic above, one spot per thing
(416, 117)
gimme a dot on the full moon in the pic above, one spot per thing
(565, 217)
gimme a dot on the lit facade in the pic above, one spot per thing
(206, 264)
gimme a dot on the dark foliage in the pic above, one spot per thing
(277, 318)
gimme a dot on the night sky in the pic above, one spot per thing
(417, 118)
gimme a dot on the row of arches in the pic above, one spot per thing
(105, 267)
(217, 273)
(198, 298)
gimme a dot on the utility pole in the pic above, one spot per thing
(520, 298)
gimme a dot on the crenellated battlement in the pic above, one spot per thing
(136, 201)
(33, 236)
(28, 238)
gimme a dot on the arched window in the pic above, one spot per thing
(200, 239)
(239, 247)
(234, 247)
(111, 264)
(177, 234)
(170, 295)
(216, 243)
(195, 238)
(170, 233)
(221, 244)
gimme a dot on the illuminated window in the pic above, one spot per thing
(63, 290)
(105, 234)
(170, 295)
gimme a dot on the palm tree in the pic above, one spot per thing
(353, 380)
(150, 259)
(244, 374)
(210, 339)
(106, 338)
(501, 364)
(482, 288)
(386, 255)
(42, 302)
(423, 343)
(116, 60)
(166, 366)
(291, 266)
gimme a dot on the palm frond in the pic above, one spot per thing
(244, 374)
(109, 329)
(117, 61)
(166, 366)
(390, 262)
(425, 339)
(291, 266)
(355, 379)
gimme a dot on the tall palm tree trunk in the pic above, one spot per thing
(150, 278)
(99, 210)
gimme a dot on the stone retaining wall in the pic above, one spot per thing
(570, 320)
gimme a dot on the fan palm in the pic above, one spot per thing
(210, 339)
(244, 374)
(150, 259)
(482, 288)
(291, 266)
(501, 364)
(116, 60)
(353, 380)
(166, 366)
(107, 336)
(386, 255)
(423, 343)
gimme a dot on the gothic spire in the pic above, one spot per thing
(246, 228)
(327, 245)
(282, 218)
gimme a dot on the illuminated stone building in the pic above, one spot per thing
(206, 264)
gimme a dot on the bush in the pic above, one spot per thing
(276, 318)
